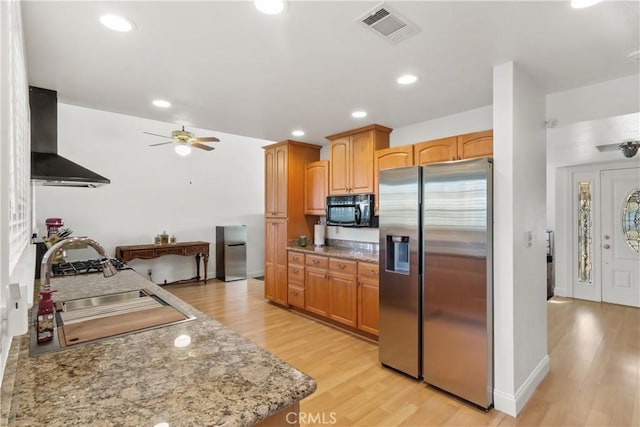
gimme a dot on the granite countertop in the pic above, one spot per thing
(143, 379)
(353, 253)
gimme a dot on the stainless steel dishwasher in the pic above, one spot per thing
(231, 252)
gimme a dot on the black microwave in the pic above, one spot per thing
(353, 210)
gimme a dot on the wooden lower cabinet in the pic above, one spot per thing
(316, 289)
(368, 297)
(368, 303)
(343, 298)
(296, 279)
(275, 260)
(343, 291)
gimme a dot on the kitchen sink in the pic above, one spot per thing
(91, 319)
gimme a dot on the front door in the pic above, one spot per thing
(620, 242)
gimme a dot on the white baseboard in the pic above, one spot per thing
(257, 273)
(513, 404)
(561, 292)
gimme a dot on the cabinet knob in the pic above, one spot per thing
(341, 266)
(295, 271)
(373, 271)
(315, 261)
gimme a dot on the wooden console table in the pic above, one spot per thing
(199, 249)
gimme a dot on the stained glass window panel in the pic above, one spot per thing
(631, 220)
(585, 257)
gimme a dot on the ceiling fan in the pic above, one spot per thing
(628, 148)
(185, 141)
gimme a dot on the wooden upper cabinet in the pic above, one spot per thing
(437, 150)
(351, 159)
(269, 182)
(339, 166)
(362, 152)
(477, 144)
(316, 187)
(284, 177)
(390, 158)
(275, 180)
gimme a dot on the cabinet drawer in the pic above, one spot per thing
(296, 296)
(141, 253)
(296, 258)
(296, 274)
(317, 261)
(196, 250)
(343, 266)
(368, 269)
(169, 251)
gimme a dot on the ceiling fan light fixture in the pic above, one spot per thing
(270, 7)
(117, 23)
(182, 150)
(629, 148)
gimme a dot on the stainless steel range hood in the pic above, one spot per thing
(47, 166)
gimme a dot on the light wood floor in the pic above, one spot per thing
(594, 377)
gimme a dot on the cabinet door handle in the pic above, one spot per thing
(373, 271)
(326, 276)
(296, 271)
(341, 266)
(295, 258)
(315, 261)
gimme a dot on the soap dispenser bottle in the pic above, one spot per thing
(45, 321)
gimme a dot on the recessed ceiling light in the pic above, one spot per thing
(634, 56)
(161, 103)
(297, 133)
(407, 79)
(270, 7)
(117, 23)
(182, 150)
(581, 4)
(359, 114)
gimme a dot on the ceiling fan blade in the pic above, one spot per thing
(206, 139)
(155, 134)
(608, 147)
(161, 143)
(202, 146)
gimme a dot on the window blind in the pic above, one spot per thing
(19, 186)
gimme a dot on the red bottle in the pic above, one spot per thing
(45, 321)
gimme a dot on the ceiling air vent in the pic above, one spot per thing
(388, 24)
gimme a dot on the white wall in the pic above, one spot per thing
(520, 316)
(604, 113)
(475, 120)
(605, 99)
(152, 189)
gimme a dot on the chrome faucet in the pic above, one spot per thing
(45, 268)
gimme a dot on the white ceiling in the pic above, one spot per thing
(227, 67)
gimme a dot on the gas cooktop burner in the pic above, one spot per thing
(84, 267)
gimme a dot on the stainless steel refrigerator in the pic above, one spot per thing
(436, 302)
(231, 252)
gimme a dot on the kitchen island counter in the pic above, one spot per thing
(149, 377)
